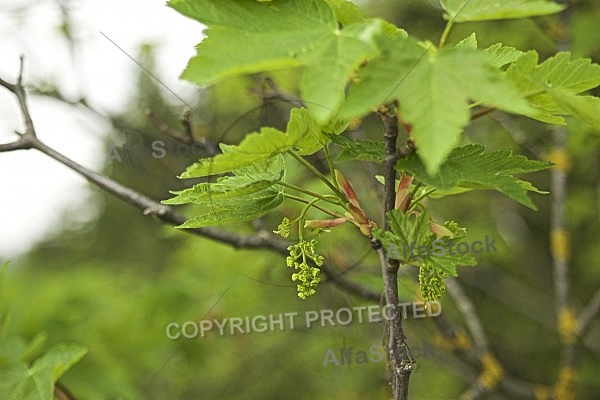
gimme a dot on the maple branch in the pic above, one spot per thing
(187, 137)
(274, 92)
(397, 341)
(167, 130)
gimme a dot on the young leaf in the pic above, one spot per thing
(256, 147)
(411, 240)
(406, 230)
(471, 166)
(481, 10)
(382, 75)
(221, 55)
(302, 133)
(365, 150)
(248, 180)
(238, 209)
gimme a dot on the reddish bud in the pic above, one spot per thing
(346, 188)
(440, 231)
(324, 223)
(403, 197)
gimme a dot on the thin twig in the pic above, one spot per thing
(186, 122)
(587, 315)
(516, 132)
(187, 137)
(467, 309)
(167, 130)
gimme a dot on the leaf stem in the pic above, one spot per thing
(418, 199)
(306, 208)
(317, 173)
(300, 199)
(331, 167)
(481, 113)
(446, 33)
(330, 199)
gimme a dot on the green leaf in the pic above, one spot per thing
(238, 209)
(438, 194)
(248, 180)
(556, 73)
(469, 42)
(226, 54)
(434, 91)
(365, 150)
(304, 132)
(58, 360)
(246, 36)
(333, 62)
(256, 147)
(410, 240)
(471, 166)
(587, 108)
(500, 55)
(37, 383)
(482, 10)
(408, 229)
(378, 80)
(346, 12)
(280, 15)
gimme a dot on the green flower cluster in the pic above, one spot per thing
(283, 229)
(431, 282)
(308, 276)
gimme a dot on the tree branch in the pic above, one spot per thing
(589, 312)
(397, 341)
(467, 309)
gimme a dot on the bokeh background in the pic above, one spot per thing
(86, 268)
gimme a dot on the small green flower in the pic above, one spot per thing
(283, 229)
(456, 229)
(307, 276)
(432, 282)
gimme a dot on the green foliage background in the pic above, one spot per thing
(112, 286)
